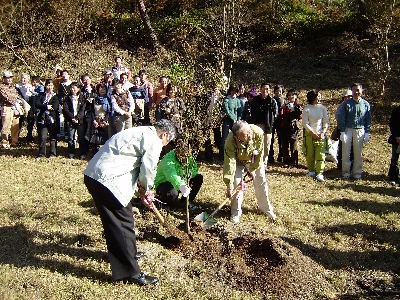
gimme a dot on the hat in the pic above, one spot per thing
(7, 74)
(253, 92)
(58, 67)
(347, 93)
(105, 72)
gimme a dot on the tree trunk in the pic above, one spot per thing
(147, 25)
(363, 18)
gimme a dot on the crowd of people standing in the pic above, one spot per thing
(87, 114)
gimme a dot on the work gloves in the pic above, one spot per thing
(185, 190)
(343, 137)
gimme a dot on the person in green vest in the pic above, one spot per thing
(177, 173)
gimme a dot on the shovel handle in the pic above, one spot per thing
(161, 219)
(158, 215)
(218, 208)
(223, 203)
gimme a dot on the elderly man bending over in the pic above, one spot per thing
(111, 177)
(244, 148)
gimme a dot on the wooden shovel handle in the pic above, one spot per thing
(224, 202)
(158, 215)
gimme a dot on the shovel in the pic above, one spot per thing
(208, 219)
(172, 239)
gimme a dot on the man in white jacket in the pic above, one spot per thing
(111, 177)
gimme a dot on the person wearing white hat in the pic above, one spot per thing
(8, 98)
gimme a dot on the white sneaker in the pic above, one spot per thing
(320, 177)
(71, 156)
(393, 183)
(346, 176)
(235, 219)
(311, 174)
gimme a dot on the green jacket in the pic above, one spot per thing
(170, 170)
(232, 107)
(236, 153)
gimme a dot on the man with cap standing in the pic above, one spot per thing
(107, 81)
(8, 98)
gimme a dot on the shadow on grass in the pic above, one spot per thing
(19, 248)
(360, 186)
(380, 254)
(372, 259)
(25, 150)
(369, 232)
(361, 205)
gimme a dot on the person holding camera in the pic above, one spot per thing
(47, 103)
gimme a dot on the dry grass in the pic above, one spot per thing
(337, 239)
(52, 245)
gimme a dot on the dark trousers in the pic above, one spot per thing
(168, 194)
(30, 124)
(217, 141)
(75, 130)
(339, 164)
(289, 153)
(51, 129)
(276, 132)
(394, 165)
(226, 127)
(158, 113)
(118, 223)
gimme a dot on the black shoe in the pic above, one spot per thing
(139, 254)
(141, 279)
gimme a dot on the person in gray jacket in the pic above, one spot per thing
(112, 176)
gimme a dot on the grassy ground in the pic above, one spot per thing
(332, 240)
(344, 234)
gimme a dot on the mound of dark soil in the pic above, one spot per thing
(254, 262)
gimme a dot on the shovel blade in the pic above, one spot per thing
(207, 222)
(202, 217)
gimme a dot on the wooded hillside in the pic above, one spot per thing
(203, 35)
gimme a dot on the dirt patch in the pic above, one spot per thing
(252, 263)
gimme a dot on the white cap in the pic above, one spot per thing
(347, 93)
(7, 74)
